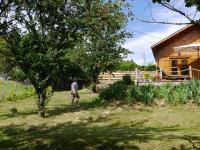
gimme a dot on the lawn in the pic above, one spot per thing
(115, 126)
(9, 88)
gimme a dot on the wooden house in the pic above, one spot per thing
(175, 64)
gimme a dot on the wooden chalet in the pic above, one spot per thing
(175, 64)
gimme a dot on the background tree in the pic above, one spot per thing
(7, 62)
(101, 50)
(128, 65)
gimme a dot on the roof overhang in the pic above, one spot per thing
(155, 46)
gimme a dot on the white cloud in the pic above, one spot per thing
(141, 45)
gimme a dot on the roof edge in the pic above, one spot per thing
(172, 35)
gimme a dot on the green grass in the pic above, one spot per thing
(114, 126)
(7, 89)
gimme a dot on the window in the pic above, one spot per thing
(184, 66)
(174, 67)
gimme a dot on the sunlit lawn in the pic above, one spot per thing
(8, 88)
(114, 126)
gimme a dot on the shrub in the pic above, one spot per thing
(49, 94)
(127, 79)
(14, 110)
(92, 87)
(28, 93)
(147, 76)
(145, 93)
(116, 91)
(11, 97)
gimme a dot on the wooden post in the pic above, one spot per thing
(2, 92)
(190, 72)
(136, 74)
(15, 91)
(161, 75)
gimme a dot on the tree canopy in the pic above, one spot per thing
(40, 34)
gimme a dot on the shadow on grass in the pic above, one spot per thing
(84, 136)
(57, 110)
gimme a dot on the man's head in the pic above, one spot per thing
(74, 79)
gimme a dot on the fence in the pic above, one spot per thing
(181, 73)
(137, 75)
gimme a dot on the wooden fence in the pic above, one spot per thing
(109, 78)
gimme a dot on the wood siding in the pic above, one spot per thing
(164, 52)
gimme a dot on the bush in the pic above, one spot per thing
(92, 87)
(147, 76)
(14, 110)
(116, 91)
(28, 93)
(145, 93)
(17, 74)
(127, 79)
(49, 94)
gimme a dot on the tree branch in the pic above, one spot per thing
(163, 22)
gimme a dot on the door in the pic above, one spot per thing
(174, 67)
(184, 67)
(179, 67)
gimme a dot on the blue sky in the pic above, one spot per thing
(141, 44)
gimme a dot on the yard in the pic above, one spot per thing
(115, 126)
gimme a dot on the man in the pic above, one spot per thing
(74, 92)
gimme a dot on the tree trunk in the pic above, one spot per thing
(95, 77)
(41, 103)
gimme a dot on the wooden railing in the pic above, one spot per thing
(178, 73)
(138, 75)
(135, 75)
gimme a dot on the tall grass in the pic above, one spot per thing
(145, 93)
(170, 93)
(182, 93)
(116, 91)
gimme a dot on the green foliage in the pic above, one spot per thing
(145, 93)
(147, 76)
(17, 74)
(27, 93)
(166, 92)
(14, 110)
(40, 40)
(194, 90)
(97, 102)
(127, 66)
(116, 91)
(92, 87)
(7, 62)
(12, 91)
(182, 93)
(127, 79)
(149, 67)
(170, 93)
(49, 94)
